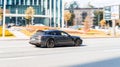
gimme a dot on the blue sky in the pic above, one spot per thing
(97, 3)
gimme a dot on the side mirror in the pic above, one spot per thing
(69, 35)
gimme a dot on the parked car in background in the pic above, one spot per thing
(51, 38)
(39, 25)
(76, 27)
(10, 25)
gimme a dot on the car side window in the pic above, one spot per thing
(52, 33)
(49, 33)
(57, 33)
(64, 34)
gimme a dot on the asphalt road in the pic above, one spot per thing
(103, 52)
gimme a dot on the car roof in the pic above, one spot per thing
(52, 30)
(47, 30)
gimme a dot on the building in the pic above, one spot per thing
(82, 13)
(47, 12)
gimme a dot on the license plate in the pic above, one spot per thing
(32, 39)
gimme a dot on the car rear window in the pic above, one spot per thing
(39, 32)
(52, 33)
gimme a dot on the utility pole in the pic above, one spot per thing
(98, 16)
(4, 13)
(113, 28)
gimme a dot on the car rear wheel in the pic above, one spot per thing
(50, 43)
(78, 42)
(42, 46)
(37, 45)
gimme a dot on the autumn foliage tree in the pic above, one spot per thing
(29, 12)
(102, 23)
(67, 16)
(86, 24)
(98, 15)
(1, 14)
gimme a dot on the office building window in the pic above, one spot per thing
(35, 2)
(9, 2)
(0, 2)
(22, 2)
(17, 2)
(43, 9)
(31, 1)
(28, 2)
(39, 2)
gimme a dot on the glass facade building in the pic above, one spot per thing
(47, 12)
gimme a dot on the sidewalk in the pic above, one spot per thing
(92, 34)
(12, 38)
(18, 35)
(81, 35)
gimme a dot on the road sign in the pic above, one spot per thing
(107, 13)
(112, 12)
(115, 12)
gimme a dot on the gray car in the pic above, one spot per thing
(51, 38)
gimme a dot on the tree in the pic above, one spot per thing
(98, 15)
(71, 20)
(67, 16)
(29, 12)
(90, 5)
(86, 24)
(71, 8)
(1, 13)
(102, 23)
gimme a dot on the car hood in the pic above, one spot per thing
(75, 36)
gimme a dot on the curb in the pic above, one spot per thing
(10, 39)
(98, 37)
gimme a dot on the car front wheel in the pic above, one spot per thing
(78, 42)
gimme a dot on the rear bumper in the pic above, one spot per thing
(34, 42)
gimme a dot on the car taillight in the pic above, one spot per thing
(39, 37)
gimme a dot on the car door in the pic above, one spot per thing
(58, 38)
(67, 39)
